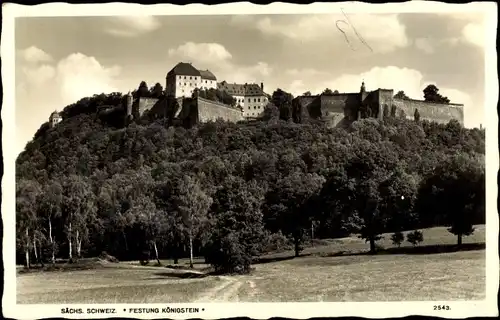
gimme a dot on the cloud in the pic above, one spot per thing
(219, 60)
(39, 74)
(411, 81)
(201, 52)
(41, 89)
(79, 76)
(132, 26)
(474, 33)
(382, 32)
(34, 55)
(424, 45)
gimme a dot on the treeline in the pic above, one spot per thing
(230, 192)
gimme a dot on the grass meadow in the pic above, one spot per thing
(330, 270)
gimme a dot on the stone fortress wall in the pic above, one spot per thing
(196, 109)
(210, 111)
(344, 108)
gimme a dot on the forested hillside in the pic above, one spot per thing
(231, 191)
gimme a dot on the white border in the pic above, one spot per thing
(460, 309)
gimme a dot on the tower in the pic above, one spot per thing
(363, 89)
(130, 100)
(54, 119)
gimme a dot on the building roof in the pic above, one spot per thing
(206, 74)
(246, 89)
(55, 114)
(233, 89)
(184, 69)
(253, 89)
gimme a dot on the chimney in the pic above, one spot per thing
(262, 86)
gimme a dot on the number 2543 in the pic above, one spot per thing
(442, 307)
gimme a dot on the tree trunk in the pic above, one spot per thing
(296, 241)
(52, 246)
(27, 250)
(125, 239)
(78, 244)
(34, 250)
(156, 252)
(70, 243)
(176, 254)
(459, 239)
(372, 244)
(190, 250)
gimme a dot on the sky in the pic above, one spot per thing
(62, 59)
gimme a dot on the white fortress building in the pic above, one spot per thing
(184, 78)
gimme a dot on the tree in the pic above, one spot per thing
(238, 231)
(271, 112)
(307, 93)
(147, 216)
(283, 100)
(357, 193)
(454, 194)
(335, 92)
(27, 193)
(401, 95)
(192, 204)
(287, 205)
(397, 238)
(77, 204)
(415, 237)
(386, 111)
(156, 91)
(51, 206)
(143, 90)
(431, 94)
(327, 92)
(416, 116)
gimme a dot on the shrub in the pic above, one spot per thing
(397, 238)
(277, 242)
(415, 237)
(227, 255)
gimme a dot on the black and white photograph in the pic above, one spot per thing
(281, 160)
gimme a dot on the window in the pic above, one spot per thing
(258, 99)
(248, 108)
(258, 107)
(254, 100)
(254, 107)
(184, 83)
(184, 77)
(190, 78)
(249, 100)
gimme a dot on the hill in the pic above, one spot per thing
(149, 190)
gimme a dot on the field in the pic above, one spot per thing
(318, 275)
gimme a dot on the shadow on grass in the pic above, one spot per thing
(63, 266)
(428, 249)
(262, 260)
(182, 275)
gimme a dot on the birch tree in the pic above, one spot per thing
(27, 194)
(50, 202)
(78, 203)
(192, 204)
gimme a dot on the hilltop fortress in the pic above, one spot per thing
(344, 108)
(177, 103)
(181, 83)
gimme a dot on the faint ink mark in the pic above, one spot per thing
(349, 24)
